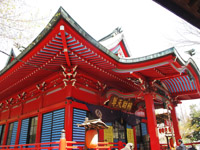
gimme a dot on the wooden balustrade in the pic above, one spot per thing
(56, 146)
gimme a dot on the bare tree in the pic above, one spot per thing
(16, 22)
(189, 35)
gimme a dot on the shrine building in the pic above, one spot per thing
(65, 75)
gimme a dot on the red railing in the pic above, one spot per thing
(35, 146)
(56, 145)
(165, 146)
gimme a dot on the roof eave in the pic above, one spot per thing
(83, 33)
(149, 57)
(44, 32)
(61, 13)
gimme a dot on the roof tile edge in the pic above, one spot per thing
(82, 32)
(171, 50)
(60, 13)
(42, 34)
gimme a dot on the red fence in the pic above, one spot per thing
(165, 146)
(74, 145)
(57, 145)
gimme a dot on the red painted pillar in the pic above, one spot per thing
(18, 131)
(39, 127)
(68, 120)
(135, 138)
(6, 133)
(151, 122)
(175, 124)
(101, 135)
(69, 90)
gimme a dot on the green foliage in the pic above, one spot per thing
(185, 129)
(190, 125)
(195, 123)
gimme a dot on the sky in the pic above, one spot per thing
(147, 27)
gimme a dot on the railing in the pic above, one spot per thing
(35, 146)
(165, 146)
(75, 145)
(57, 145)
(190, 144)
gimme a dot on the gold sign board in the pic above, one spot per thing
(108, 135)
(120, 103)
(130, 135)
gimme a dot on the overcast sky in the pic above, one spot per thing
(148, 28)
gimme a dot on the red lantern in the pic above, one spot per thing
(91, 138)
(163, 130)
(160, 130)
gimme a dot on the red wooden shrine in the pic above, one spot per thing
(65, 75)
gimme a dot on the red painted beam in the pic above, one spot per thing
(62, 31)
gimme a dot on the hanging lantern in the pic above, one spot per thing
(163, 130)
(166, 130)
(160, 131)
(91, 138)
(170, 130)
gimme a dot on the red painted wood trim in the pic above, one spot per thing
(79, 106)
(28, 115)
(68, 120)
(39, 127)
(151, 122)
(196, 77)
(52, 107)
(5, 134)
(175, 124)
(62, 31)
(69, 90)
(101, 135)
(18, 131)
(135, 138)
(41, 101)
(144, 121)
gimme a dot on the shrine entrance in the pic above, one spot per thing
(119, 131)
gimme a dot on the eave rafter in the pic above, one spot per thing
(32, 73)
(41, 60)
(66, 43)
(188, 93)
(159, 72)
(80, 54)
(168, 77)
(62, 31)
